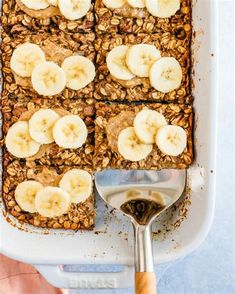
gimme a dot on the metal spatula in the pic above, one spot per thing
(141, 195)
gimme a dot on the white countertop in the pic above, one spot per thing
(211, 268)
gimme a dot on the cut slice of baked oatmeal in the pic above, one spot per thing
(79, 216)
(57, 48)
(48, 18)
(116, 148)
(22, 110)
(136, 88)
(133, 20)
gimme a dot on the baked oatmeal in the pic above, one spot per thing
(59, 57)
(21, 182)
(118, 146)
(41, 17)
(121, 17)
(119, 86)
(56, 49)
(55, 153)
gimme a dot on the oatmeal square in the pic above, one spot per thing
(130, 20)
(80, 216)
(108, 87)
(112, 119)
(50, 19)
(56, 48)
(15, 110)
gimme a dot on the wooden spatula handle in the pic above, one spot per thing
(145, 283)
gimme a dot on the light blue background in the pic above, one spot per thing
(211, 268)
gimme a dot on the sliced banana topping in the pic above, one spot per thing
(24, 59)
(146, 125)
(114, 3)
(36, 4)
(53, 2)
(162, 8)
(52, 202)
(116, 63)
(74, 9)
(25, 194)
(78, 184)
(48, 79)
(70, 131)
(130, 147)
(19, 142)
(171, 140)
(139, 59)
(41, 125)
(79, 71)
(166, 74)
(137, 3)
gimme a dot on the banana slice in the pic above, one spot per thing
(146, 124)
(79, 71)
(78, 184)
(166, 74)
(114, 3)
(162, 8)
(116, 63)
(139, 59)
(41, 125)
(130, 147)
(53, 2)
(36, 4)
(48, 79)
(70, 131)
(18, 141)
(24, 59)
(25, 194)
(74, 9)
(136, 3)
(52, 202)
(171, 140)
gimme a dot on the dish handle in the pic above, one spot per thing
(59, 278)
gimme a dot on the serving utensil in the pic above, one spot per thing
(142, 196)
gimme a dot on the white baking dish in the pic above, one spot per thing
(54, 248)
